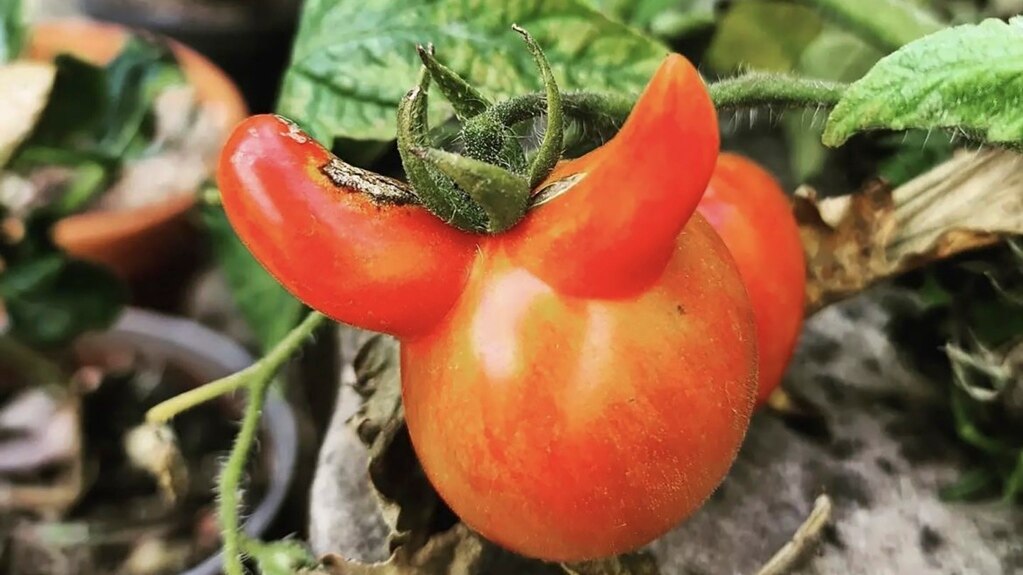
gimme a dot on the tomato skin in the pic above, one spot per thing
(752, 214)
(570, 428)
(381, 266)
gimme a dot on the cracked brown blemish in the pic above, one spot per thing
(555, 189)
(380, 189)
(680, 309)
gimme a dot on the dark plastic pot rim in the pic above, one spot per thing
(208, 355)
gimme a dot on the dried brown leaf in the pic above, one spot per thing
(409, 504)
(971, 201)
(455, 552)
(632, 564)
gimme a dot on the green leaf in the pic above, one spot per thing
(662, 18)
(142, 70)
(966, 78)
(762, 35)
(51, 300)
(354, 60)
(12, 30)
(102, 111)
(268, 309)
(833, 55)
(887, 24)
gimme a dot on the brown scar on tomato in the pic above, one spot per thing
(381, 189)
(555, 189)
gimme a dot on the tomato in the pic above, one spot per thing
(573, 387)
(753, 216)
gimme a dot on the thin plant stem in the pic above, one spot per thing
(775, 91)
(230, 479)
(262, 369)
(257, 379)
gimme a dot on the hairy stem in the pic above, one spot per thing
(258, 382)
(230, 479)
(262, 369)
(774, 90)
(607, 111)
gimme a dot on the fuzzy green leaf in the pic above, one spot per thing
(968, 78)
(887, 24)
(353, 61)
(662, 18)
(762, 35)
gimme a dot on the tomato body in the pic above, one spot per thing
(569, 428)
(753, 216)
(573, 387)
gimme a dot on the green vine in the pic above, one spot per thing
(755, 90)
(256, 379)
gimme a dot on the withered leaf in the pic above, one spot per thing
(459, 551)
(641, 563)
(971, 201)
(456, 552)
(409, 504)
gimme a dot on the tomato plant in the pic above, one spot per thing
(511, 328)
(750, 211)
(574, 386)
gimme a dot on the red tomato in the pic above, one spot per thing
(573, 387)
(753, 216)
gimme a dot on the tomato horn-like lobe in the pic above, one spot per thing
(612, 231)
(344, 241)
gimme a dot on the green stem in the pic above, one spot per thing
(774, 90)
(229, 483)
(549, 152)
(887, 24)
(265, 368)
(604, 111)
(231, 476)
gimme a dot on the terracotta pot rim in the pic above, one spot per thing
(104, 236)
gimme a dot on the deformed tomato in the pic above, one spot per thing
(573, 387)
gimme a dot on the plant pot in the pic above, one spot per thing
(207, 355)
(133, 242)
(251, 39)
(197, 355)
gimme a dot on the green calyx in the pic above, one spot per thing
(486, 187)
